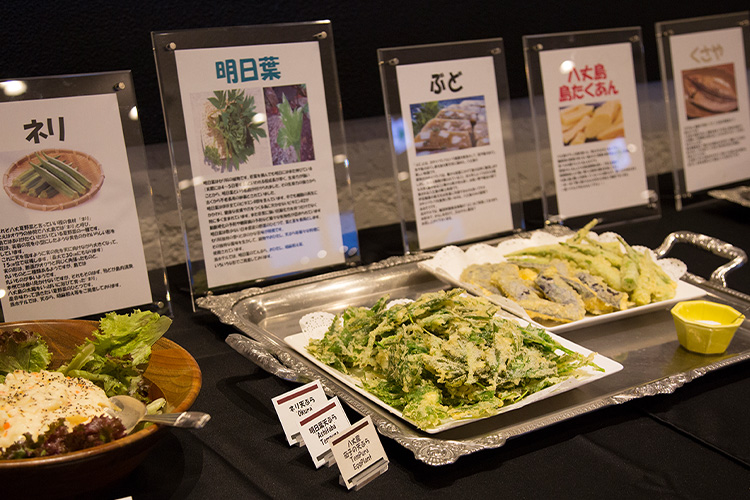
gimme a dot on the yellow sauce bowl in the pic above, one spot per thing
(705, 327)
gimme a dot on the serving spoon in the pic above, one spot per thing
(130, 411)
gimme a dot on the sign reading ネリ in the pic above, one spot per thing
(70, 241)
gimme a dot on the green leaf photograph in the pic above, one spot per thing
(289, 124)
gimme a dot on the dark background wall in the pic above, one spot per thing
(83, 36)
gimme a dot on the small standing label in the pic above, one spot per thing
(359, 454)
(318, 429)
(296, 404)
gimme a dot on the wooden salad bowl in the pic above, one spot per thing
(173, 374)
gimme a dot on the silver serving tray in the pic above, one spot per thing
(739, 195)
(646, 345)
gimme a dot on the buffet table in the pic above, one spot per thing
(693, 443)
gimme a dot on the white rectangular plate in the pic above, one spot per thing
(299, 343)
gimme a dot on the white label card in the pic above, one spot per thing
(357, 451)
(713, 111)
(266, 201)
(454, 145)
(64, 252)
(318, 428)
(294, 405)
(594, 128)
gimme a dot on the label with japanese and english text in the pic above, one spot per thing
(358, 449)
(318, 428)
(295, 405)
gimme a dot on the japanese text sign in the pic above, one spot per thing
(713, 110)
(261, 159)
(455, 149)
(318, 428)
(294, 405)
(594, 127)
(358, 450)
(70, 240)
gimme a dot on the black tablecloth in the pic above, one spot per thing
(694, 443)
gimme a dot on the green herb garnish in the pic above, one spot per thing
(427, 111)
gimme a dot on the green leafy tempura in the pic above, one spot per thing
(445, 356)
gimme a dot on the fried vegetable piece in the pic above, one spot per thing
(653, 283)
(620, 266)
(555, 301)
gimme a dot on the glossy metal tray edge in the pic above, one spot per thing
(276, 358)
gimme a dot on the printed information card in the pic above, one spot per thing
(455, 150)
(318, 428)
(70, 241)
(359, 454)
(261, 158)
(713, 112)
(594, 128)
(293, 406)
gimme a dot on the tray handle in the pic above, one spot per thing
(737, 256)
(262, 355)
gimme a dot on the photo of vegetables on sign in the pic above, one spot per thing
(53, 179)
(449, 125)
(232, 127)
(289, 124)
(709, 91)
(584, 123)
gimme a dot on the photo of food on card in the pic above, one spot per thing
(449, 125)
(289, 124)
(232, 125)
(591, 122)
(53, 179)
(709, 91)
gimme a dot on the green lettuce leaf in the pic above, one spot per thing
(119, 353)
(22, 350)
